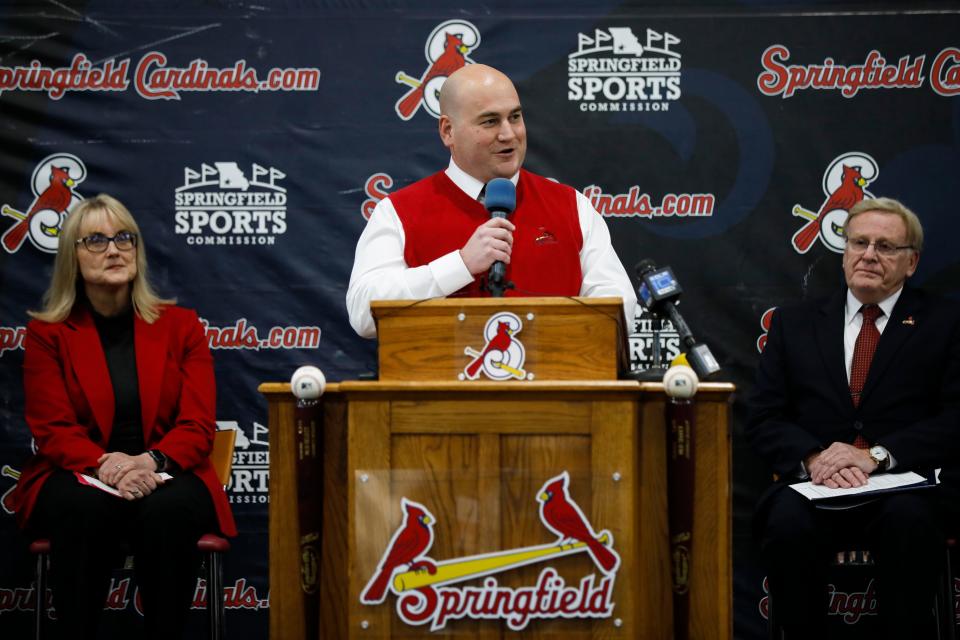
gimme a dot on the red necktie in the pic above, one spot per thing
(863, 352)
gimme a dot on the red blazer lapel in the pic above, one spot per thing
(150, 341)
(90, 365)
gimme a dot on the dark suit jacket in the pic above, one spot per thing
(910, 402)
(69, 401)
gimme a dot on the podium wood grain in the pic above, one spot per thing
(476, 454)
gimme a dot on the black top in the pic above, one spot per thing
(116, 337)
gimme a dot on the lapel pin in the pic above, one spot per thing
(909, 321)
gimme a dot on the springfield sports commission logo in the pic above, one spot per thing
(222, 205)
(154, 78)
(250, 473)
(428, 591)
(779, 78)
(446, 51)
(52, 185)
(612, 70)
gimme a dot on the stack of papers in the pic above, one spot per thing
(881, 483)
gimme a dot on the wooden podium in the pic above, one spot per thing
(476, 453)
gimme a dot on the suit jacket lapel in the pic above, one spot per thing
(893, 337)
(150, 341)
(828, 327)
(90, 366)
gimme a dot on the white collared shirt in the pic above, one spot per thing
(381, 273)
(467, 183)
(853, 320)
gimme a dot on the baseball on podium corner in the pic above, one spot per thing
(308, 383)
(680, 381)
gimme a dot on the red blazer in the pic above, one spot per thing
(69, 400)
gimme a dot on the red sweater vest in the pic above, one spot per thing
(438, 217)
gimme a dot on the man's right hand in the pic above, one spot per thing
(839, 467)
(492, 241)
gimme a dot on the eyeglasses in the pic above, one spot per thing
(97, 242)
(882, 247)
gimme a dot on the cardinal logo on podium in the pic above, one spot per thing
(437, 592)
(502, 357)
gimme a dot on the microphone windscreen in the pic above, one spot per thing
(501, 196)
(644, 266)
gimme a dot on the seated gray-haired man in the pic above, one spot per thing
(864, 382)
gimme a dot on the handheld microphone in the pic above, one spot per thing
(500, 201)
(659, 292)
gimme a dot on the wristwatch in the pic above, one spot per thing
(159, 458)
(881, 456)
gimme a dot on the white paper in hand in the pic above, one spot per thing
(90, 481)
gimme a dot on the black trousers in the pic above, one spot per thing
(903, 531)
(90, 531)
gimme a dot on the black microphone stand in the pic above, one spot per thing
(656, 370)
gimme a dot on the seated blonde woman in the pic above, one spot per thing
(119, 385)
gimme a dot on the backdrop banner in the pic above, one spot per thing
(252, 141)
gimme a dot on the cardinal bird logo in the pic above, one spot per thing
(53, 182)
(446, 51)
(407, 548)
(430, 592)
(564, 517)
(843, 184)
(503, 355)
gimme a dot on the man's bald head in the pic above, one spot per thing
(465, 82)
(481, 122)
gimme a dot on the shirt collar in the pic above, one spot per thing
(886, 305)
(467, 183)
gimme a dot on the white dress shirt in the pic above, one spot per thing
(381, 273)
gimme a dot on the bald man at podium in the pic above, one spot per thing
(435, 238)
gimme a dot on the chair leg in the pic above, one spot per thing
(215, 604)
(946, 607)
(41, 596)
(774, 632)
